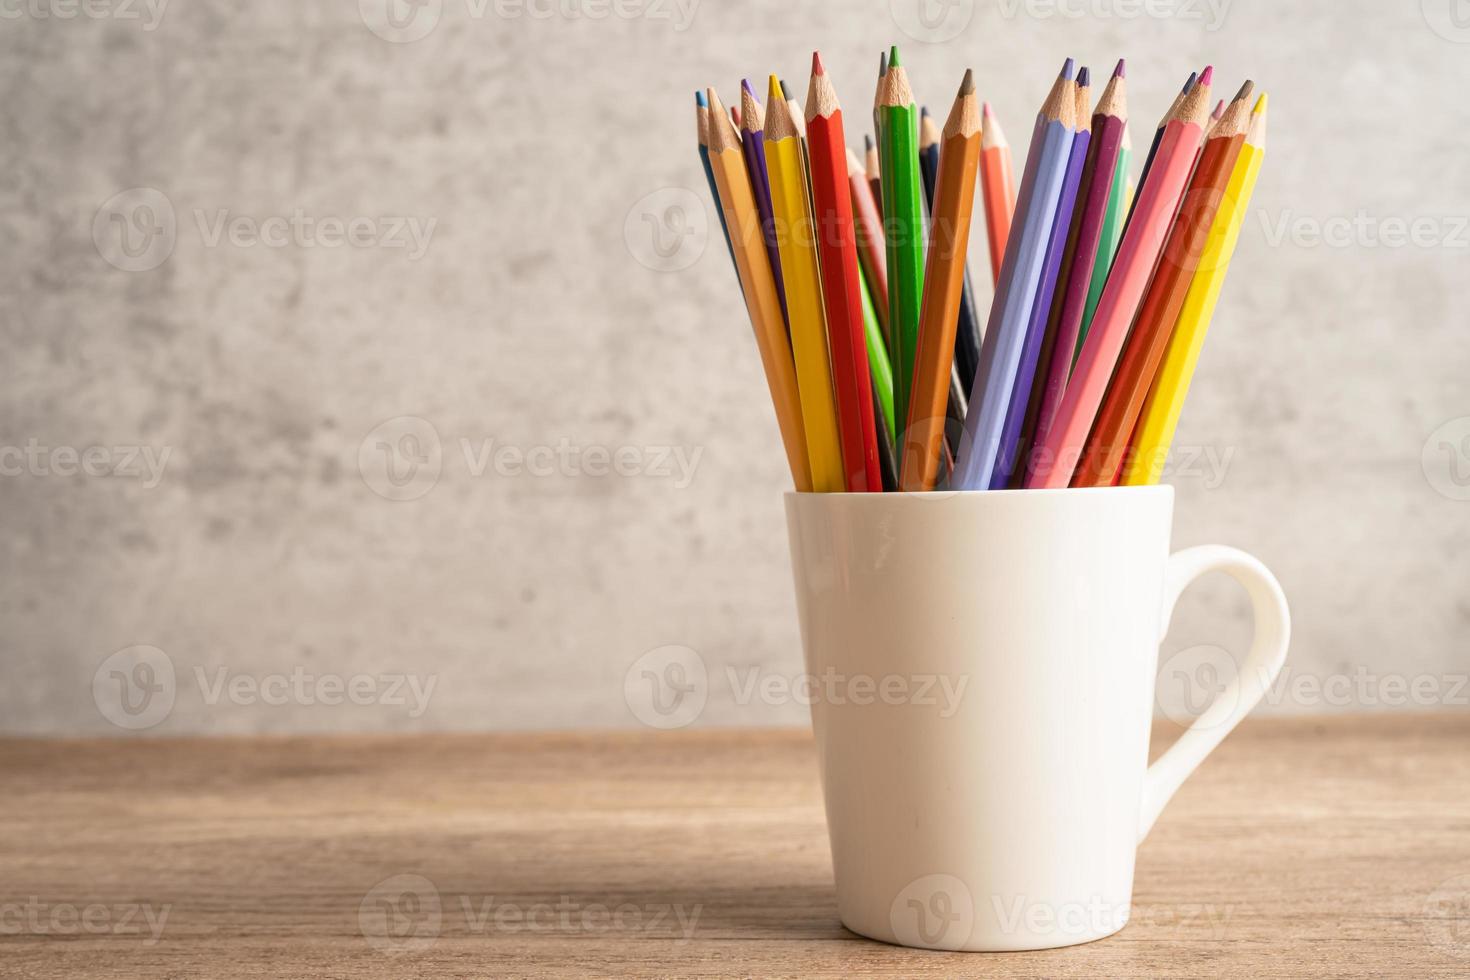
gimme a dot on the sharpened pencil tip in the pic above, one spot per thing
(1260, 104)
(867, 142)
(773, 89)
(1245, 91)
(967, 84)
(1189, 85)
(1208, 76)
(923, 112)
(1068, 67)
(882, 64)
(785, 90)
(1084, 77)
(699, 99)
(986, 111)
(893, 61)
(1122, 70)
(817, 68)
(745, 84)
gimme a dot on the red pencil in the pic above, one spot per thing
(872, 248)
(998, 188)
(841, 284)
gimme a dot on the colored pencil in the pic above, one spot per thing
(1059, 341)
(998, 188)
(1120, 202)
(1161, 412)
(903, 224)
(880, 369)
(1148, 161)
(1008, 453)
(1158, 200)
(1103, 458)
(804, 310)
(967, 330)
(737, 200)
(868, 222)
(797, 115)
(753, 145)
(701, 118)
(735, 118)
(842, 289)
(873, 172)
(1036, 207)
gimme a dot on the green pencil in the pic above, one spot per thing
(878, 364)
(903, 224)
(1112, 232)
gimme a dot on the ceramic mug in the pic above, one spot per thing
(984, 665)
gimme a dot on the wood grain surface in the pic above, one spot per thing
(1334, 847)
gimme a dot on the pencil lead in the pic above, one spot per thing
(1122, 70)
(867, 142)
(746, 86)
(1189, 85)
(1084, 77)
(1219, 110)
(1260, 104)
(817, 68)
(967, 84)
(985, 109)
(700, 100)
(923, 113)
(785, 90)
(1068, 67)
(1245, 91)
(1208, 75)
(882, 64)
(893, 61)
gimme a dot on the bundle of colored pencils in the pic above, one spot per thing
(856, 281)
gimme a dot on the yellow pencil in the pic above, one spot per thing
(1161, 412)
(786, 165)
(759, 285)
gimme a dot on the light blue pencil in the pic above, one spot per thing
(1020, 274)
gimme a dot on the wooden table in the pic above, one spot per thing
(1329, 847)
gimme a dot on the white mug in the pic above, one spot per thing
(985, 663)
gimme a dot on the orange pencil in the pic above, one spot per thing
(737, 200)
(944, 274)
(998, 190)
(1102, 460)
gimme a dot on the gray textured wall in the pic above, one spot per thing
(243, 384)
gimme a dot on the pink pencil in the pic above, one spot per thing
(1133, 266)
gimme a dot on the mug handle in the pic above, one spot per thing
(1262, 664)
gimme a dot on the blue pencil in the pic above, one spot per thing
(1009, 454)
(1020, 275)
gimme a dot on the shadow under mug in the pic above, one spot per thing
(984, 666)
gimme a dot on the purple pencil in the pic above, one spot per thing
(1010, 436)
(1055, 360)
(753, 146)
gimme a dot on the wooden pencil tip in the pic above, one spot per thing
(967, 84)
(923, 113)
(1245, 91)
(747, 87)
(817, 68)
(1122, 70)
(893, 61)
(1068, 67)
(987, 111)
(1208, 75)
(773, 89)
(867, 142)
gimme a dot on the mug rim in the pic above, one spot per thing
(1162, 489)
